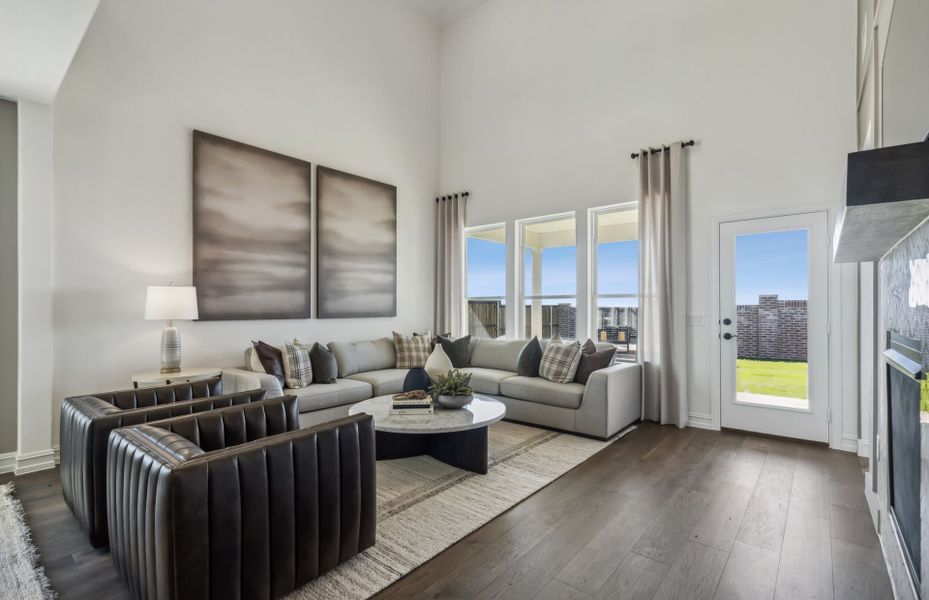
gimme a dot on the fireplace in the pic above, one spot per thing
(904, 384)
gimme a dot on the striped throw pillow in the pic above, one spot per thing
(559, 361)
(298, 370)
(412, 350)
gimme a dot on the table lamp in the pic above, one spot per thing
(171, 303)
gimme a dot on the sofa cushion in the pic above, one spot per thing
(458, 351)
(592, 360)
(318, 397)
(529, 359)
(543, 391)
(384, 381)
(487, 381)
(298, 370)
(271, 359)
(412, 350)
(325, 366)
(370, 355)
(496, 354)
(559, 362)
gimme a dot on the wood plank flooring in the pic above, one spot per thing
(663, 513)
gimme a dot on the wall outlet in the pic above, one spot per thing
(696, 319)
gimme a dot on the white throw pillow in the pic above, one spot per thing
(438, 364)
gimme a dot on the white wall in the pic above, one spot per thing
(351, 85)
(34, 450)
(544, 100)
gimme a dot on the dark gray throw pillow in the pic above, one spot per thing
(591, 361)
(325, 367)
(530, 357)
(458, 351)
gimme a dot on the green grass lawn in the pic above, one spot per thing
(774, 378)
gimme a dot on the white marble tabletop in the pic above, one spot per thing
(481, 412)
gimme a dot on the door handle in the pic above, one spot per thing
(728, 336)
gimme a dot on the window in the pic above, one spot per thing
(615, 273)
(485, 285)
(549, 277)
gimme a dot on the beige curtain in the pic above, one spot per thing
(449, 263)
(662, 348)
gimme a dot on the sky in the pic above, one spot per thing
(766, 263)
(616, 270)
(771, 263)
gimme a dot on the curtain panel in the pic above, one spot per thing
(662, 338)
(449, 264)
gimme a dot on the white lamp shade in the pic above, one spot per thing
(171, 303)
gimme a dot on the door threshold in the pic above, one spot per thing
(776, 437)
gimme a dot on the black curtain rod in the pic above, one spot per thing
(657, 150)
(450, 196)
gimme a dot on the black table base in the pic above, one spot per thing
(463, 449)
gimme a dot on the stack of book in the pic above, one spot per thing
(411, 403)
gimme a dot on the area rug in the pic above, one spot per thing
(21, 577)
(425, 506)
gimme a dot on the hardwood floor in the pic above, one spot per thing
(663, 513)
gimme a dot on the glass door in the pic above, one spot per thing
(773, 326)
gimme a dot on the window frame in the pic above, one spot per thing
(593, 295)
(465, 316)
(520, 274)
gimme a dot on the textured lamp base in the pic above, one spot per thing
(170, 349)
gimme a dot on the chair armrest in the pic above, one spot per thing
(612, 399)
(282, 510)
(241, 379)
(86, 423)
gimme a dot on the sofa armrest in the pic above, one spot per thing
(235, 380)
(612, 399)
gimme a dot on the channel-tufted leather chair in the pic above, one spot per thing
(238, 502)
(86, 422)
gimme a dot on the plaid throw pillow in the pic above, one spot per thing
(559, 362)
(412, 350)
(298, 370)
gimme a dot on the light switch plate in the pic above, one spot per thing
(696, 319)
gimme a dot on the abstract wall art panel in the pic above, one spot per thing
(356, 246)
(251, 230)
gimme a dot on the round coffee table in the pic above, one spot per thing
(457, 437)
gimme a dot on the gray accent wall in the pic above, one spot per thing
(9, 282)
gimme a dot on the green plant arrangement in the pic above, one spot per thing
(452, 390)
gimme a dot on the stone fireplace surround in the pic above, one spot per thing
(904, 309)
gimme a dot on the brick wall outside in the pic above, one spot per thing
(773, 329)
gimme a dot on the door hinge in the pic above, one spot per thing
(828, 328)
(828, 415)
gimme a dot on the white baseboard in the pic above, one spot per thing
(7, 462)
(701, 421)
(31, 462)
(57, 450)
(849, 443)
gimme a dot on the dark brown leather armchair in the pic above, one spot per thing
(86, 422)
(238, 502)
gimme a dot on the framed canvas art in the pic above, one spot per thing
(356, 246)
(251, 231)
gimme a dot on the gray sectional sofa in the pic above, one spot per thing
(610, 401)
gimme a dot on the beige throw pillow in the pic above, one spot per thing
(412, 350)
(559, 361)
(298, 370)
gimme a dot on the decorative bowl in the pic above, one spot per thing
(454, 401)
